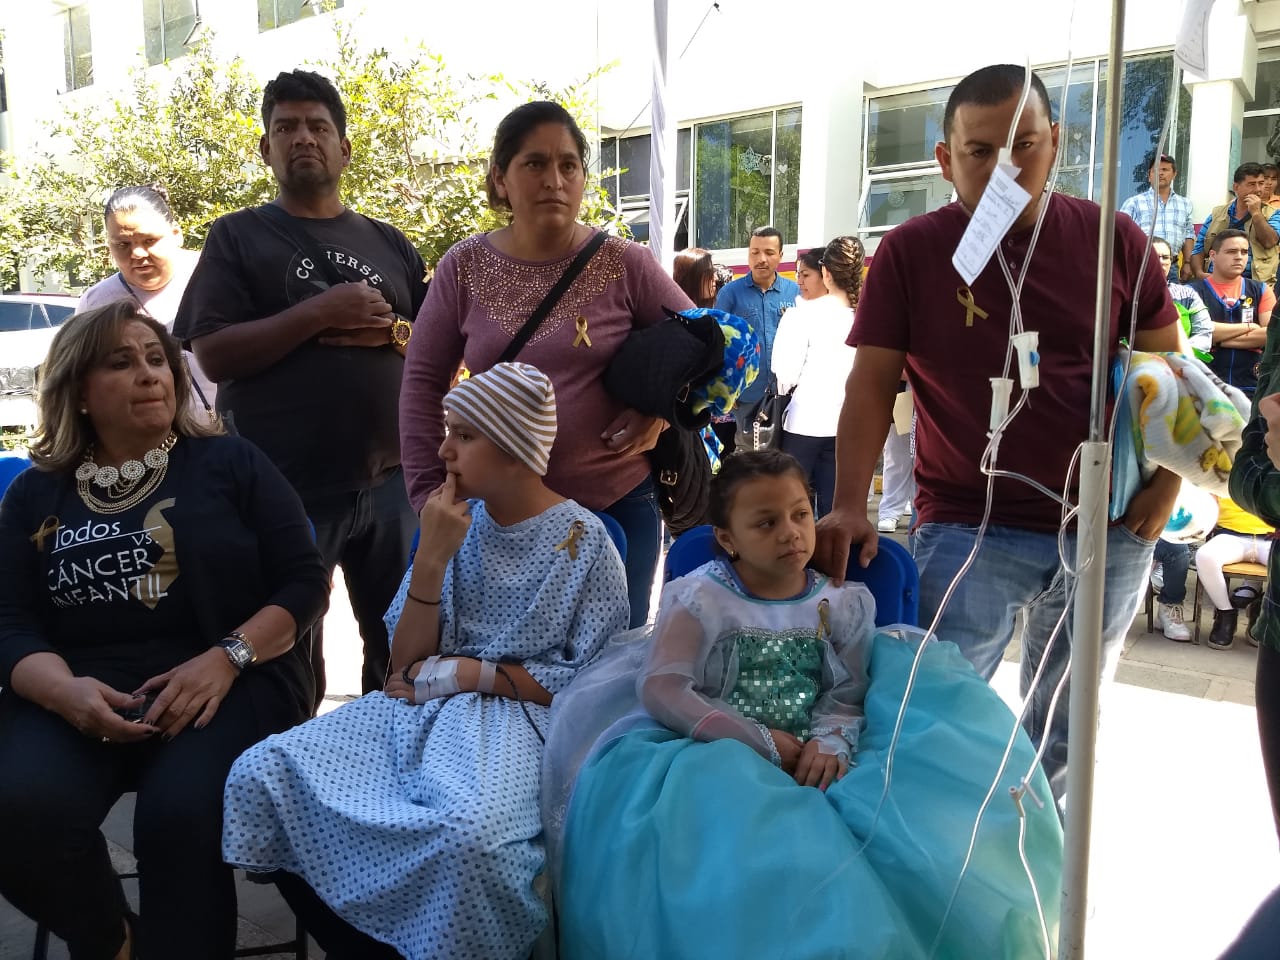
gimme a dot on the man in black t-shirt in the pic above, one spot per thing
(300, 311)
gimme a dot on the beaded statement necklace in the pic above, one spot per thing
(126, 487)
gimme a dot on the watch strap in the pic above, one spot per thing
(235, 645)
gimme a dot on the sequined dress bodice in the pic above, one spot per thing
(779, 676)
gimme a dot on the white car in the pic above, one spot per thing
(28, 322)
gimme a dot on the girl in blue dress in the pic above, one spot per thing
(755, 646)
(713, 786)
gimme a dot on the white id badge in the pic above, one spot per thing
(1246, 315)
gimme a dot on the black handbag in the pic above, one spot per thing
(681, 479)
(766, 418)
(654, 372)
(657, 367)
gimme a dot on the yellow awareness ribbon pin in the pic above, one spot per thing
(570, 543)
(48, 528)
(824, 619)
(965, 296)
(582, 333)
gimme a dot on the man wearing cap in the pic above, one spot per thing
(1171, 212)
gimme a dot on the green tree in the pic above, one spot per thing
(198, 136)
(419, 159)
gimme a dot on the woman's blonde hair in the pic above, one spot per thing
(82, 343)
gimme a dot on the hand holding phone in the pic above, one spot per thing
(137, 713)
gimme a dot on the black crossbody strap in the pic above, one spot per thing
(553, 297)
(286, 226)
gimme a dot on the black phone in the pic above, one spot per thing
(138, 714)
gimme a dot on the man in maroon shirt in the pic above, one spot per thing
(917, 313)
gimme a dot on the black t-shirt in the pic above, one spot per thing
(327, 416)
(116, 578)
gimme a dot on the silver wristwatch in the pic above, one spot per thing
(238, 649)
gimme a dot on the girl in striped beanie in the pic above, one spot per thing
(426, 795)
(511, 405)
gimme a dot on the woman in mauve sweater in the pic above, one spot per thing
(484, 290)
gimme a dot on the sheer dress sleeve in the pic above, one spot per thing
(674, 687)
(838, 716)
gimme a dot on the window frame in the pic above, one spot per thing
(1090, 69)
(316, 11)
(71, 59)
(164, 38)
(1265, 55)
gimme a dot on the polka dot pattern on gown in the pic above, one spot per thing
(419, 825)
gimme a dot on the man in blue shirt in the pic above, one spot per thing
(759, 298)
(1248, 212)
(1170, 212)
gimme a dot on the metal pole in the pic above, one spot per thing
(662, 150)
(1091, 547)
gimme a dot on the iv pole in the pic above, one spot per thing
(1091, 547)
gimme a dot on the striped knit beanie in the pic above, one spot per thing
(514, 405)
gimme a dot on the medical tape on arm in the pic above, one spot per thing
(437, 678)
(488, 673)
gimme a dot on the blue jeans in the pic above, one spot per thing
(817, 456)
(1175, 558)
(366, 532)
(1017, 570)
(638, 515)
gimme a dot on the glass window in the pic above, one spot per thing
(77, 47)
(733, 180)
(16, 316)
(1077, 142)
(1266, 88)
(633, 161)
(905, 128)
(278, 13)
(166, 26)
(769, 191)
(1261, 140)
(1144, 102)
(891, 201)
(637, 221)
(904, 125)
(57, 313)
(1261, 135)
(684, 163)
(786, 174)
(608, 161)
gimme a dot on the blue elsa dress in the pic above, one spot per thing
(685, 839)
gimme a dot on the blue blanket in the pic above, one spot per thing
(676, 849)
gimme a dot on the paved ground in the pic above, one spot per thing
(1183, 846)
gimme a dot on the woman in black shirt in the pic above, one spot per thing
(155, 580)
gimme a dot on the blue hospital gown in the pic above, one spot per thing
(419, 825)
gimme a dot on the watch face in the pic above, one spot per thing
(401, 331)
(239, 652)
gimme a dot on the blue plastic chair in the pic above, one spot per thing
(611, 527)
(892, 577)
(12, 463)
